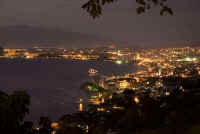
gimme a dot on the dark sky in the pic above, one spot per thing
(119, 21)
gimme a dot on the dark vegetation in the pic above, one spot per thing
(177, 113)
(1, 51)
(95, 7)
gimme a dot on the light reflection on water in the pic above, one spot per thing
(54, 86)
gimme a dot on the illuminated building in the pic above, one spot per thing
(30, 55)
(123, 84)
(10, 53)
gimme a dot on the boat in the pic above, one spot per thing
(92, 71)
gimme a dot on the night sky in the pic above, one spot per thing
(119, 22)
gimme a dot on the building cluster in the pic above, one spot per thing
(111, 53)
(50, 53)
(101, 53)
(159, 71)
(153, 65)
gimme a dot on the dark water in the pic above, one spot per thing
(54, 85)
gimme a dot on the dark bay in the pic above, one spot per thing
(54, 85)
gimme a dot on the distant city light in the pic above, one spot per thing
(81, 105)
(119, 62)
(194, 59)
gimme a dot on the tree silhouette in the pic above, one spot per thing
(45, 126)
(1, 51)
(13, 108)
(94, 7)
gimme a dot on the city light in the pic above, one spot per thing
(136, 99)
(119, 62)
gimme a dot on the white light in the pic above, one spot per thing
(188, 59)
(119, 62)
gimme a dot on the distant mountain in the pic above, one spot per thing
(28, 36)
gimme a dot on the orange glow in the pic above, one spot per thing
(54, 125)
(136, 99)
(80, 107)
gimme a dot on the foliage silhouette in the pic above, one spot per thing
(173, 114)
(1, 51)
(95, 7)
(13, 108)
